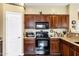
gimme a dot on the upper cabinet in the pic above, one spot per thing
(65, 21)
(55, 21)
(29, 21)
(59, 21)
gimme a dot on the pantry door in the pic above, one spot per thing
(14, 34)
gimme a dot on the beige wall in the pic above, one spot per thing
(11, 8)
(46, 9)
(1, 20)
(73, 13)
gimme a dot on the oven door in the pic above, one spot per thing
(42, 47)
(42, 43)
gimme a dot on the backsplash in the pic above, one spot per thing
(57, 32)
(51, 32)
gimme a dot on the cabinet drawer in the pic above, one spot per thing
(29, 41)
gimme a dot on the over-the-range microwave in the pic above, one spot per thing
(42, 25)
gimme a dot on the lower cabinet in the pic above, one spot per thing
(77, 51)
(58, 47)
(29, 47)
(64, 48)
(54, 47)
(69, 49)
(72, 50)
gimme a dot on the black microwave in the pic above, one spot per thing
(42, 25)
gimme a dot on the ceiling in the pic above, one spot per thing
(45, 4)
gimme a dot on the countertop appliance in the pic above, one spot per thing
(30, 34)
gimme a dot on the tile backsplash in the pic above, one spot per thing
(51, 32)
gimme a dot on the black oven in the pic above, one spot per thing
(42, 43)
(42, 47)
(42, 25)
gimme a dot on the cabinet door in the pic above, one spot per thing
(46, 18)
(54, 47)
(72, 52)
(37, 18)
(29, 47)
(65, 21)
(55, 21)
(29, 21)
(77, 51)
(65, 50)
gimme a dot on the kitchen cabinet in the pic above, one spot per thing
(29, 47)
(59, 21)
(65, 21)
(72, 50)
(68, 49)
(54, 47)
(55, 21)
(46, 18)
(77, 51)
(64, 48)
(29, 21)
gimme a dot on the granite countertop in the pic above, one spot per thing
(71, 40)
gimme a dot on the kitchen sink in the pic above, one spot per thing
(77, 42)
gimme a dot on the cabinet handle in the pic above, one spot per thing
(19, 37)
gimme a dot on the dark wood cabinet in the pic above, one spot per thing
(29, 21)
(72, 50)
(77, 51)
(64, 48)
(59, 21)
(68, 49)
(54, 47)
(29, 47)
(55, 21)
(65, 21)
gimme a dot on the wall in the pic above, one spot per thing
(73, 13)
(12, 8)
(46, 9)
(1, 21)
